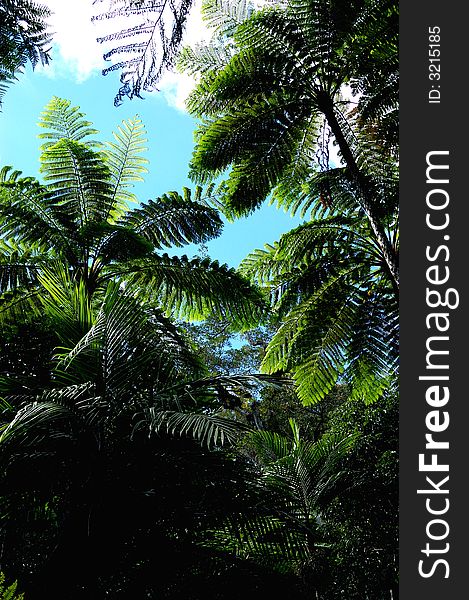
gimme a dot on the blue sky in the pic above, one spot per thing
(169, 132)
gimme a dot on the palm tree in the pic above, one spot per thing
(23, 38)
(81, 215)
(337, 310)
(264, 111)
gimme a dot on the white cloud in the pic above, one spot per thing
(174, 86)
(76, 53)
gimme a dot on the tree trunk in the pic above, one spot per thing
(326, 106)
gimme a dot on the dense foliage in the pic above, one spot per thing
(251, 453)
(268, 109)
(24, 38)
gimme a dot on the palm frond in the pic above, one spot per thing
(33, 423)
(65, 300)
(20, 305)
(296, 480)
(210, 430)
(261, 537)
(218, 391)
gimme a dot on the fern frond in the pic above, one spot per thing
(262, 266)
(312, 340)
(260, 140)
(154, 32)
(125, 163)
(201, 60)
(174, 220)
(19, 264)
(195, 288)
(224, 16)
(30, 216)
(78, 180)
(24, 37)
(62, 120)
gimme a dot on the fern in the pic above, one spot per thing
(81, 216)
(195, 288)
(126, 165)
(262, 113)
(173, 220)
(62, 120)
(338, 314)
(10, 592)
(78, 180)
(24, 37)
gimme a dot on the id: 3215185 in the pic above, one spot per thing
(434, 72)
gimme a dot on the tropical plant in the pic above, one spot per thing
(23, 38)
(223, 17)
(329, 284)
(81, 215)
(9, 593)
(125, 385)
(295, 480)
(264, 112)
(364, 534)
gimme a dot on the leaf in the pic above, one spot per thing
(174, 220)
(195, 288)
(125, 163)
(64, 121)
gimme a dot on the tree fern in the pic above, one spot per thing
(338, 312)
(24, 37)
(262, 112)
(81, 216)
